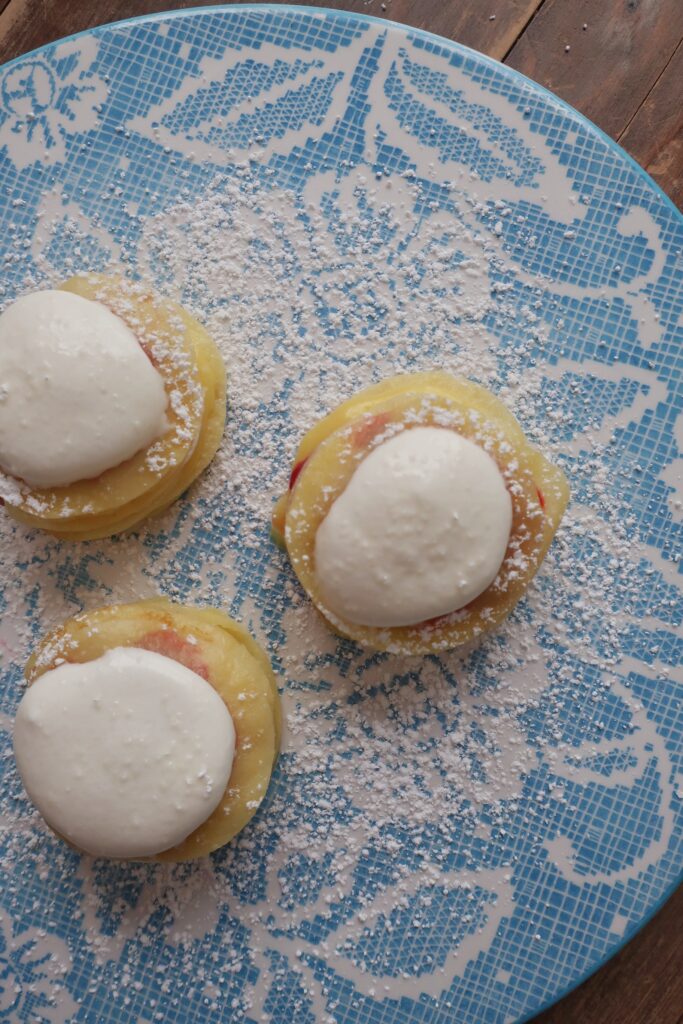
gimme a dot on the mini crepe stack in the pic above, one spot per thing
(213, 646)
(194, 378)
(331, 451)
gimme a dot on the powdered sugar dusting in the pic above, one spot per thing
(404, 783)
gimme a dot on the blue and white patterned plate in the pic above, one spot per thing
(457, 838)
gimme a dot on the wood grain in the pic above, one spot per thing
(654, 137)
(612, 64)
(26, 24)
(624, 71)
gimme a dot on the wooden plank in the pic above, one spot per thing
(612, 64)
(491, 27)
(655, 135)
(486, 25)
(643, 984)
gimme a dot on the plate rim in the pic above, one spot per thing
(190, 12)
(612, 952)
(498, 66)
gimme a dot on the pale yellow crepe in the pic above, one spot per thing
(145, 485)
(330, 452)
(215, 647)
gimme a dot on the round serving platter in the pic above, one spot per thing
(457, 838)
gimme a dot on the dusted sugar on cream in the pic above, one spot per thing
(78, 395)
(125, 755)
(420, 530)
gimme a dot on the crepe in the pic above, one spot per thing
(146, 484)
(214, 646)
(331, 451)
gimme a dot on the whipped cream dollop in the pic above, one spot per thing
(125, 755)
(78, 395)
(420, 530)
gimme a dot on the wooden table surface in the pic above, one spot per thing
(623, 70)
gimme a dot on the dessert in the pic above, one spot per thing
(148, 730)
(417, 513)
(112, 402)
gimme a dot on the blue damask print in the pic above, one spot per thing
(46, 98)
(460, 837)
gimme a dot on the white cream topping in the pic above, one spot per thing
(125, 755)
(420, 530)
(78, 395)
